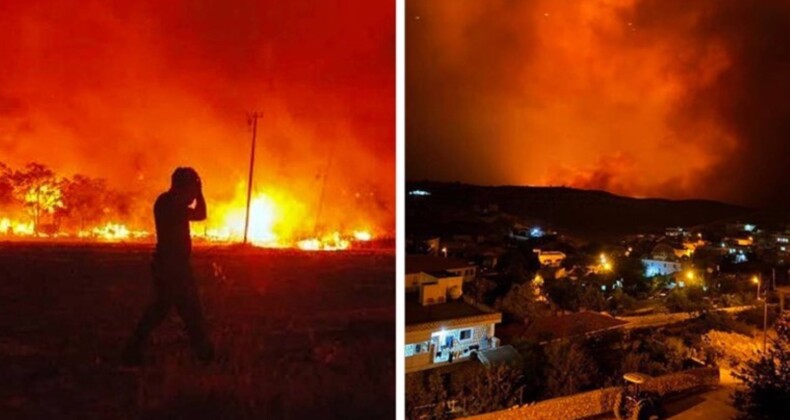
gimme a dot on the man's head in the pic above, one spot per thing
(185, 181)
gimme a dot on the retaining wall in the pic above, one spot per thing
(601, 401)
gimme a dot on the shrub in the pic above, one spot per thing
(767, 380)
(569, 369)
(754, 316)
(714, 320)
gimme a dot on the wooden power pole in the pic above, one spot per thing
(253, 119)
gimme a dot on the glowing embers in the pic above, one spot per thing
(16, 228)
(332, 242)
(113, 232)
(362, 235)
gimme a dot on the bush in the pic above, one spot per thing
(755, 316)
(519, 303)
(497, 388)
(564, 293)
(689, 299)
(676, 383)
(568, 369)
(767, 380)
(721, 321)
(634, 362)
(622, 301)
(733, 299)
(591, 298)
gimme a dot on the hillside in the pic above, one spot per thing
(584, 212)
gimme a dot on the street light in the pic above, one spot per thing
(756, 280)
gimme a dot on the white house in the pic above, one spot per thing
(442, 327)
(550, 258)
(418, 265)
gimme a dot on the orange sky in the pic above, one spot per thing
(129, 90)
(637, 97)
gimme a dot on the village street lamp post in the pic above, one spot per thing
(756, 279)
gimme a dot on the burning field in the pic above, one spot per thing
(107, 99)
(298, 334)
(99, 103)
(36, 203)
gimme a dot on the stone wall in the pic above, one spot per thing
(601, 401)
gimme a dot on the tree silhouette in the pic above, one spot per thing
(86, 200)
(767, 379)
(38, 189)
(6, 185)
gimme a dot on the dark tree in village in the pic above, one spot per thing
(426, 395)
(519, 265)
(631, 271)
(563, 293)
(496, 388)
(519, 303)
(568, 368)
(766, 394)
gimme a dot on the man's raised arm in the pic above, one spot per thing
(199, 212)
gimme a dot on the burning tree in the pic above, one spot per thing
(6, 185)
(39, 190)
(86, 200)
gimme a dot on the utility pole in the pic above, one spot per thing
(323, 188)
(765, 321)
(253, 119)
(765, 309)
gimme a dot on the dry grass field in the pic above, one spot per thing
(298, 334)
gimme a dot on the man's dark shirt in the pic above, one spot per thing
(173, 242)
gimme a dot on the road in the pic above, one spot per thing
(715, 404)
(657, 320)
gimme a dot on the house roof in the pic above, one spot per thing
(430, 263)
(444, 314)
(497, 356)
(561, 326)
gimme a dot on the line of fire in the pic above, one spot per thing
(39, 204)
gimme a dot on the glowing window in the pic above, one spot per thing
(465, 335)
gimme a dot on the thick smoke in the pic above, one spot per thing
(640, 97)
(129, 90)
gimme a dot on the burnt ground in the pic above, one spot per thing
(298, 335)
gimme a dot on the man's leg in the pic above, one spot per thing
(154, 314)
(188, 306)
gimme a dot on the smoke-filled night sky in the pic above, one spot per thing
(661, 98)
(129, 90)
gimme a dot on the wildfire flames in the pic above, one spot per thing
(277, 219)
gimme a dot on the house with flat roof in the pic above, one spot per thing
(443, 327)
(418, 265)
(550, 258)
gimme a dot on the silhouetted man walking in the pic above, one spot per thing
(174, 283)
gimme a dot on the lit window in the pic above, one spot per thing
(410, 350)
(465, 335)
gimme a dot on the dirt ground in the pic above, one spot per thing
(298, 334)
